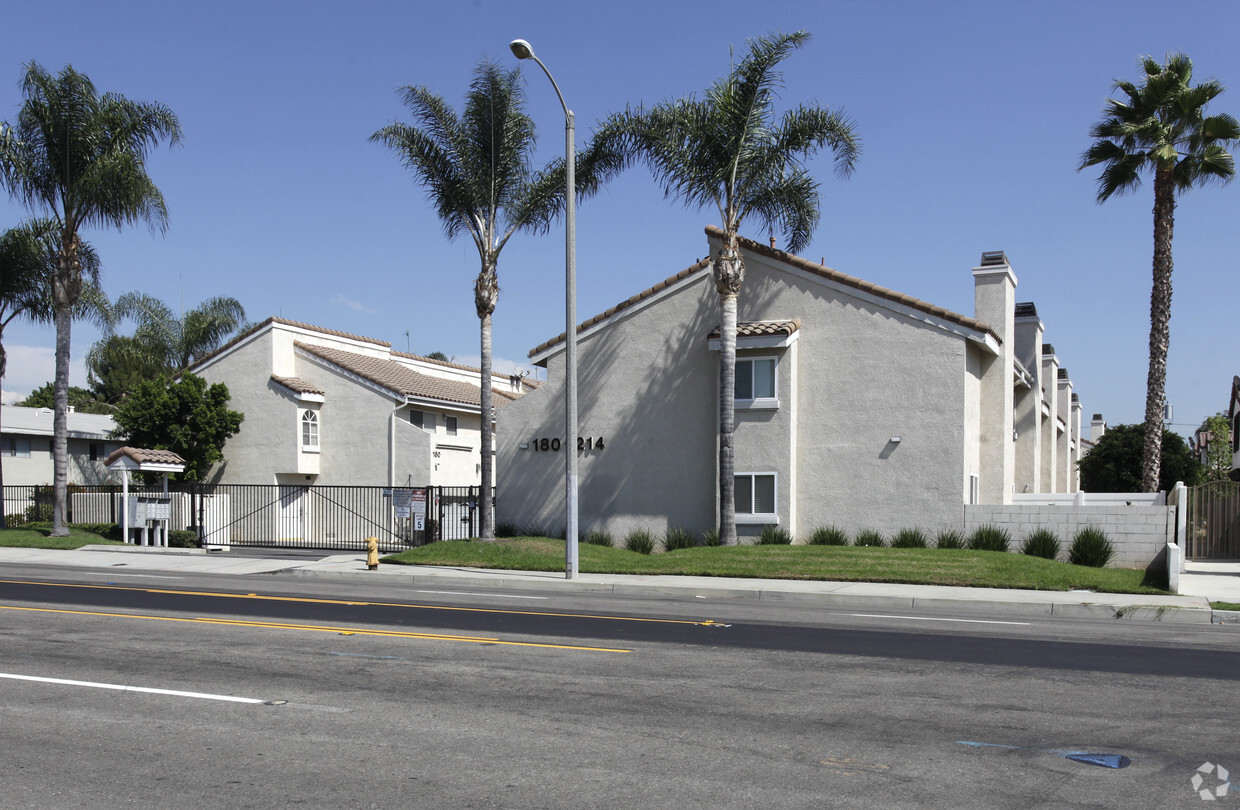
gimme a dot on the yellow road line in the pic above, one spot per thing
(705, 623)
(320, 629)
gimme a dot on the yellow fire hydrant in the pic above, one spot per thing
(372, 553)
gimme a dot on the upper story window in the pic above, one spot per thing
(98, 451)
(310, 431)
(16, 446)
(755, 498)
(1235, 433)
(755, 382)
(449, 425)
(422, 419)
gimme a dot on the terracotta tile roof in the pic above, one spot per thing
(297, 384)
(447, 364)
(761, 328)
(402, 380)
(801, 264)
(144, 456)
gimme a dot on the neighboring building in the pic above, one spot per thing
(26, 446)
(856, 406)
(330, 408)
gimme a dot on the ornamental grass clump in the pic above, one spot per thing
(677, 538)
(828, 536)
(639, 541)
(1091, 547)
(774, 536)
(596, 537)
(711, 538)
(505, 529)
(989, 538)
(870, 537)
(1042, 543)
(949, 538)
(909, 538)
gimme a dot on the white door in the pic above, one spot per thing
(292, 514)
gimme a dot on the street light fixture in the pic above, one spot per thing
(523, 50)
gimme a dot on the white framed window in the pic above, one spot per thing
(422, 419)
(755, 498)
(309, 432)
(975, 489)
(756, 382)
(16, 446)
(449, 425)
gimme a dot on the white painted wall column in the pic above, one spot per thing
(994, 287)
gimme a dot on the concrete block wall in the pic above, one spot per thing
(1140, 534)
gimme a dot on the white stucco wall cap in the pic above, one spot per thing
(276, 323)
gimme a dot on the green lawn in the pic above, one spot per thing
(37, 538)
(916, 566)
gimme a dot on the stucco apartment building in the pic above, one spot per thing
(324, 407)
(26, 446)
(856, 406)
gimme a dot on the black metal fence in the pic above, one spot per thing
(274, 515)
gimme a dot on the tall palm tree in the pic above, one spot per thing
(79, 158)
(27, 260)
(730, 153)
(176, 342)
(476, 167)
(1161, 128)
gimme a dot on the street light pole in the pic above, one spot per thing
(523, 50)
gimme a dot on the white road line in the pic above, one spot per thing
(496, 595)
(932, 619)
(122, 688)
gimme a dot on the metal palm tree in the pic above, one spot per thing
(1161, 128)
(729, 152)
(476, 167)
(79, 158)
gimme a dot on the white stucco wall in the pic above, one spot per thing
(647, 387)
(859, 374)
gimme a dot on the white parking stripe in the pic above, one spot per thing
(123, 688)
(932, 619)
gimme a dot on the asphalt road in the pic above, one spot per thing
(502, 700)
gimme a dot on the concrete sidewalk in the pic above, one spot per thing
(1202, 584)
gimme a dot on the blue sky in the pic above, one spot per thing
(973, 116)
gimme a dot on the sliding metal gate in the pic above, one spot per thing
(1213, 521)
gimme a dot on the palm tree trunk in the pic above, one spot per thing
(4, 366)
(727, 419)
(729, 270)
(60, 425)
(1160, 328)
(486, 292)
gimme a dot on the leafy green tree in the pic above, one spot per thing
(187, 417)
(80, 399)
(440, 356)
(728, 152)
(477, 171)
(1161, 128)
(1115, 462)
(117, 364)
(79, 158)
(1218, 447)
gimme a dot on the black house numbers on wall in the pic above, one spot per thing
(544, 444)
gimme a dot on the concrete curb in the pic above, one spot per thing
(1046, 607)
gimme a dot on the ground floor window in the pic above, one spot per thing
(755, 495)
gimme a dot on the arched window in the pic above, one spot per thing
(310, 431)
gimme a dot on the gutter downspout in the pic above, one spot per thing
(392, 443)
